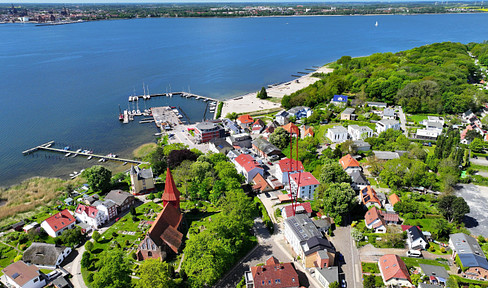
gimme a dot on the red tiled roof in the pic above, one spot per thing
(261, 183)
(291, 128)
(272, 260)
(285, 165)
(60, 220)
(309, 131)
(284, 198)
(372, 215)
(394, 199)
(369, 195)
(171, 193)
(247, 162)
(393, 267)
(465, 131)
(89, 210)
(289, 210)
(258, 124)
(347, 161)
(245, 119)
(390, 217)
(306, 179)
(275, 275)
(169, 217)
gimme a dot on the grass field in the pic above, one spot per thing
(415, 262)
(143, 150)
(416, 118)
(7, 255)
(370, 267)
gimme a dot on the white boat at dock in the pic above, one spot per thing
(89, 157)
(102, 160)
(125, 163)
(67, 154)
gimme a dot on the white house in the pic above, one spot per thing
(337, 134)
(247, 166)
(21, 275)
(326, 275)
(389, 113)
(284, 168)
(299, 112)
(56, 224)
(374, 221)
(142, 180)
(298, 229)
(385, 124)
(108, 207)
(415, 239)
(393, 271)
(282, 117)
(357, 132)
(46, 255)
(306, 184)
(90, 215)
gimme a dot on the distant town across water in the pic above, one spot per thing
(65, 82)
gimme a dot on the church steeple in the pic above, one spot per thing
(171, 194)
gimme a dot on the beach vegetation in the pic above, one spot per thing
(145, 149)
(262, 94)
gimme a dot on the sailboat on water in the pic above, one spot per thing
(376, 24)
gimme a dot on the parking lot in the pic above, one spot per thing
(476, 197)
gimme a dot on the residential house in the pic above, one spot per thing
(245, 121)
(339, 100)
(282, 117)
(206, 131)
(231, 126)
(318, 252)
(142, 180)
(393, 271)
(386, 155)
(301, 208)
(165, 235)
(46, 255)
(348, 114)
(30, 226)
(258, 126)
(349, 164)
(266, 149)
(220, 145)
(361, 145)
(357, 132)
(437, 274)
(107, 207)
(377, 104)
(374, 221)
(369, 198)
(61, 282)
(122, 199)
(437, 119)
(247, 166)
(323, 224)
(242, 140)
(426, 285)
(426, 134)
(298, 229)
(272, 274)
(337, 134)
(306, 131)
(56, 224)
(470, 254)
(390, 217)
(393, 199)
(260, 184)
(275, 183)
(299, 112)
(389, 113)
(385, 124)
(269, 130)
(415, 239)
(305, 183)
(358, 180)
(89, 199)
(22, 275)
(326, 276)
(90, 215)
(286, 166)
(292, 129)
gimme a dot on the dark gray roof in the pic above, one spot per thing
(43, 254)
(221, 145)
(329, 273)
(425, 285)
(432, 270)
(348, 111)
(322, 223)
(118, 196)
(317, 243)
(109, 203)
(141, 173)
(414, 233)
(231, 125)
(473, 260)
(61, 282)
(302, 227)
(263, 145)
(296, 109)
(359, 178)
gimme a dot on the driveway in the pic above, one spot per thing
(403, 120)
(476, 197)
(74, 267)
(369, 253)
(351, 265)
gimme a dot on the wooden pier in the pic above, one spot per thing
(47, 147)
(181, 94)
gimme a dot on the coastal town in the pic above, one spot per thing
(280, 190)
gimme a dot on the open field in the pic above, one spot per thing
(143, 150)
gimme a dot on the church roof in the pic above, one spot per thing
(171, 193)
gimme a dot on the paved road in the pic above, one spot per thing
(476, 197)
(403, 120)
(74, 267)
(351, 265)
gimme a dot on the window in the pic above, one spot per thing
(149, 254)
(35, 280)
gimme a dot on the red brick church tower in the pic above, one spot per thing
(171, 194)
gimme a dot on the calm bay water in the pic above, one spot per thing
(65, 83)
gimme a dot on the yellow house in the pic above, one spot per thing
(142, 180)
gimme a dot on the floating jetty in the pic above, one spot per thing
(182, 94)
(47, 147)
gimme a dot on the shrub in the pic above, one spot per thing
(22, 247)
(89, 246)
(481, 239)
(18, 258)
(90, 277)
(127, 242)
(114, 234)
(443, 250)
(133, 255)
(96, 236)
(277, 213)
(431, 248)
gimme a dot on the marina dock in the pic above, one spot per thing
(47, 147)
(181, 94)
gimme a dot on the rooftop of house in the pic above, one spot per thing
(141, 173)
(285, 164)
(348, 111)
(291, 128)
(21, 273)
(258, 122)
(359, 178)
(348, 162)
(261, 183)
(247, 162)
(297, 109)
(317, 243)
(275, 274)
(394, 199)
(390, 217)
(368, 195)
(339, 98)
(302, 227)
(386, 155)
(264, 146)
(389, 112)
(60, 220)
(393, 267)
(306, 208)
(43, 254)
(433, 270)
(90, 211)
(331, 274)
(338, 129)
(303, 179)
(245, 119)
(468, 250)
(372, 215)
(388, 122)
(415, 233)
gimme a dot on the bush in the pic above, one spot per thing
(89, 246)
(133, 255)
(277, 213)
(18, 258)
(22, 247)
(481, 239)
(114, 234)
(431, 248)
(443, 250)
(90, 277)
(96, 236)
(219, 110)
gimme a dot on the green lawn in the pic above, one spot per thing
(321, 130)
(416, 118)
(479, 167)
(7, 255)
(360, 123)
(370, 267)
(415, 262)
(437, 248)
(425, 224)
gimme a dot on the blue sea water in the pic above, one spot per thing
(65, 83)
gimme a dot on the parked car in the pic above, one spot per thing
(343, 283)
(414, 253)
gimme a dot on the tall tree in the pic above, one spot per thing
(453, 208)
(98, 177)
(262, 94)
(114, 270)
(154, 273)
(332, 172)
(337, 199)
(280, 138)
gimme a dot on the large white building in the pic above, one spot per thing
(284, 168)
(306, 184)
(337, 134)
(90, 215)
(56, 224)
(385, 124)
(298, 229)
(359, 132)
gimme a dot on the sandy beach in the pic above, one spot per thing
(249, 103)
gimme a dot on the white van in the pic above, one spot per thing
(414, 253)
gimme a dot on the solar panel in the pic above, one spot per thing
(15, 275)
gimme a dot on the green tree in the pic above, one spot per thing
(96, 236)
(154, 273)
(72, 237)
(262, 94)
(89, 246)
(114, 270)
(369, 281)
(332, 172)
(441, 229)
(334, 284)
(280, 138)
(356, 234)
(98, 177)
(337, 199)
(415, 279)
(232, 116)
(85, 259)
(477, 145)
(453, 208)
